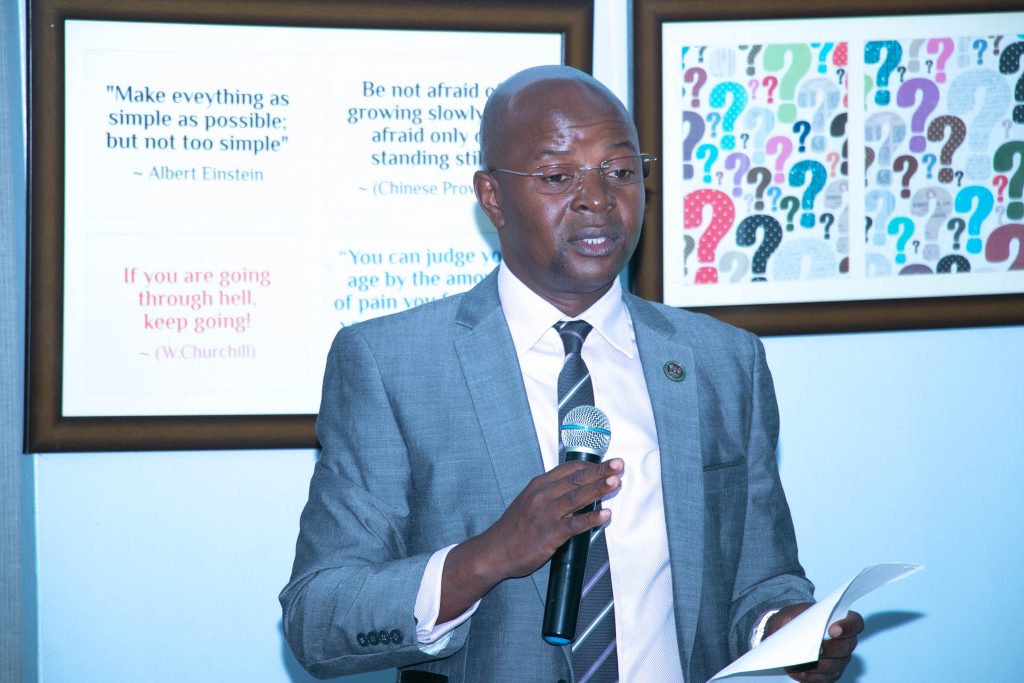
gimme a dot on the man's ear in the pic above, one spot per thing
(488, 196)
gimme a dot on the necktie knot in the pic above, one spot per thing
(573, 334)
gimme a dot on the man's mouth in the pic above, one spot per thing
(599, 245)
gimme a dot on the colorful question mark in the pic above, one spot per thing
(746, 236)
(907, 165)
(714, 118)
(980, 44)
(754, 51)
(797, 177)
(905, 228)
(1002, 162)
(723, 213)
(997, 248)
(771, 83)
(710, 152)
(695, 131)
(803, 129)
(740, 162)
(833, 163)
(827, 220)
(1000, 182)
(957, 227)
(944, 48)
(957, 133)
(799, 64)
(739, 103)
(907, 97)
(790, 205)
(929, 160)
(701, 77)
(823, 55)
(759, 176)
(873, 55)
(783, 146)
(978, 202)
(1009, 63)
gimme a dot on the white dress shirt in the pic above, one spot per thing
(636, 534)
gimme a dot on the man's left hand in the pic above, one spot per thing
(834, 654)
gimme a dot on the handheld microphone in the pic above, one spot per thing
(586, 435)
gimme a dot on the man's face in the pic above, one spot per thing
(568, 248)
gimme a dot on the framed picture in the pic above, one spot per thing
(217, 187)
(842, 167)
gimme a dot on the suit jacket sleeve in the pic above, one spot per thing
(349, 605)
(769, 575)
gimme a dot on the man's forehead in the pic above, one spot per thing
(564, 108)
(533, 96)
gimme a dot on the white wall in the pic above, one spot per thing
(901, 446)
(910, 447)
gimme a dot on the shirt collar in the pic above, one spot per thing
(529, 316)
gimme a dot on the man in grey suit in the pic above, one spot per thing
(438, 499)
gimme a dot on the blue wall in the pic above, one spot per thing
(899, 446)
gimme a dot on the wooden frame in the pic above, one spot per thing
(48, 428)
(851, 314)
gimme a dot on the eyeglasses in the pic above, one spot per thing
(564, 178)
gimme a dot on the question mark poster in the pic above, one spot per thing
(831, 159)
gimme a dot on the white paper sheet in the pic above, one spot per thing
(798, 641)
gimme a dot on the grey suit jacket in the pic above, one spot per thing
(427, 438)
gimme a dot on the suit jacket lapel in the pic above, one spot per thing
(491, 368)
(677, 420)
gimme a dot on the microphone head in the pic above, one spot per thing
(586, 429)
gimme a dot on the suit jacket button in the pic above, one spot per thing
(361, 638)
(384, 637)
(373, 638)
(396, 637)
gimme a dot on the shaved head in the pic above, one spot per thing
(493, 123)
(568, 247)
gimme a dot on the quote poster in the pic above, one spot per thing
(235, 195)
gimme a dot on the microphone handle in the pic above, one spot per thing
(565, 580)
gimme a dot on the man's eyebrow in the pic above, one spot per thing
(623, 144)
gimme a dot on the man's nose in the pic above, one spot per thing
(593, 192)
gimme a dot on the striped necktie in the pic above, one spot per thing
(593, 650)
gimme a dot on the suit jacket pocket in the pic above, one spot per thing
(724, 475)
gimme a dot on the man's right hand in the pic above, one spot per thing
(539, 520)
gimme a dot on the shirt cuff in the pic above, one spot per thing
(758, 635)
(431, 636)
